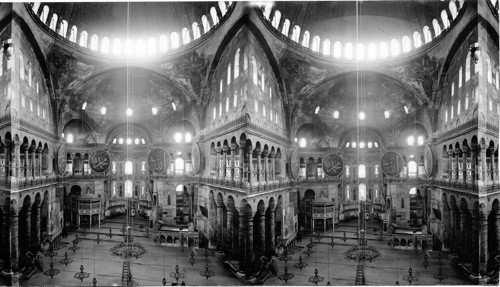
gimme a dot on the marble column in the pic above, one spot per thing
(497, 223)
(452, 231)
(17, 159)
(220, 224)
(242, 243)
(27, 222)
(33, 164)
(483, 244)
(445, 164)
(234, 176)
(457, 164)
(224, 161)
(492, 164)
(463, 234)
(473, 155)
(24, 165)
(230, 227)
(473, 253)
(6, 236)
(8, 144)
(264, 172)
(262, 235)
(272, 227)
(14, 240)
(273, 166)
(40, 172)
(463, 172)
(36, 227)
(250, 254)
(259, 165)
(218, 162)
(242, 161)
(484, 171)
(251, 177)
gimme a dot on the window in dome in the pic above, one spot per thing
(453, 9)
(360, 51)
(452, 89)
(353, 145)
(437, 28)
(222, 7)
(83, 39)
(427, 34)
(458, 107)
(143, 141)
(375, 144)
(105, 45)
(420, 140)
(227, 104)
(267, 9)
(296, 33)
(362, 116)
(460, 77)
(410, 140)
(63, 28)
(326, 47)
(53, 22)
(370, 145)
(490, 104)
(136, 141)
(348, 53)
(36, 6)
(262, 80)
(302, 142)
(177, 137)
(220, 86)
(174, 107)
(336, 114)
(347, 144)
(444, 18)
(256, 106)
(196, 31)
(305, 39)
(185, 36)
(316, 111)
(286, 27)
(406, 110)
(337, 49)
(387, 114)
(151, 46)
(220, 109)
(179, 165)
(215, 18)
(237, 63)
(215, 112)
(69, 138)
(264, 110)
(466, 106)
(117, 47)
(315, 43)
(188, 137)
(129, 141)
(128, 189)
(245, 62)
(406, 44)
(445, 116)
(140, 48)
(362, 192)
(103, 110)
(21, 66)
(394, 47)
(488, 70)
(129, 47)
(348, 191)
(372, 51)
(413, 191)
(361, 170)
(384, 50)
(417, 39)
(45, 14)
(254, 71)
(229, 74)
(174, 40)
(205, 23)
(72, 35)
(467, 67)
(451, 115)
(163, 43)
(276, 19)
(412, 169)
(362, 145)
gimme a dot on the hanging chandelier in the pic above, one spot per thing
(207, 272)
(301, 264)
(66, 260)
(51, 272)
(316, 278)
(81, 275)
(286, 276)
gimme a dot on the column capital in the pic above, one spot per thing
(265, 153)
(465, 148)
(225, 148)
(233, 146)
(272, 154)
(258, 150)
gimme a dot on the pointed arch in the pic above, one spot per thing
(185, 36)
(53, 22)
(417, 39)
(406, 44)
(215, 18)
(205, 24)
(83, 39)
(326, 47)
(348, 53)
(296, 33)
(427, 34)
(276, 19)
(315, 43)
(305, 39)
(196, 31)
(237, 63)
(286, 27)
(73, 33)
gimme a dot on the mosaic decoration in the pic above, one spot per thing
(428, 160)
(61, 159)
(391, 163)
(333, 165)
(99, 161)
(158, 160)
(295, 164)
(195, 158)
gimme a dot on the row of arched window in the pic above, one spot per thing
(128, 47)
(349, 52)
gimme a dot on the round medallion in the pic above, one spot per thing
(99, 161)
(195, 158)
(333, 165)
(428, 160)
(391, 163)
(295, 164)
(158, 160)
(61, 159)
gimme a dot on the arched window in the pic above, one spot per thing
(245, 62)
(372, 51)
(417, 39)
(305, 39)
(362, 192)
(222, 7)
(227, 104)
(360, 51)
(205, 23)
(296, 33)
(412, 168)
(174, 39)
(337, 49)
(394, 47)
(151, 46)
(467, 67)
(420, 140)
(179, 165)
(286, 27)
(326, 47)
(458, 107)
(437, 28)
(446, 116)
(453, 9)
(105, 45)
(262, 80)
(117, 46)
(215, 18)
(163, 43)
(348, 192)
(235, 100)
(63, 28)
(466, 106)
(237, 63)
(113, 167)
(276, 19)
(410, 140)
(229, 74)
(460, 77)
(362, 171)
(413, 191)
(196, 31)
(303, 142)
(348, 53)
(185, 36)
(402, 203)
(376, 170)
(114, 188)
(140, 49)
(53, 22)
(72, 35)
(370, 144)
(83, 39)
(488, 70)
(267, 9)
(129, 47)
(384, 51)
(128, 189)
(128, 167)
(444, 18)
(254, 71)
(315, 43)
(36, 6)
(347, 171)
(427, 34)
(21, 67)
(45, 14)
(406, 44)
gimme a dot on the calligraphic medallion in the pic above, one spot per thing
(428, 160)
(295, 164)
(158, 160)
(99, 161)
(195, 158)
(333, 165)
(61, 159)
(391, 163)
